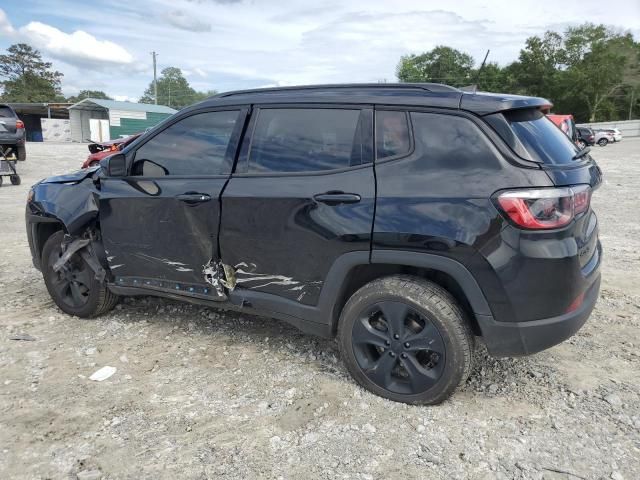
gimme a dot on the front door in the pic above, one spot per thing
(160, 223)
(303, 194)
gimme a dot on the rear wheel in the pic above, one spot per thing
(74, 288)
(406, 339)
(15, 179)
(21, 153)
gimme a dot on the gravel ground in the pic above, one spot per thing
(201, 393)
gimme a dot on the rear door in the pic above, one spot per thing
(160, 223)
(302, 195)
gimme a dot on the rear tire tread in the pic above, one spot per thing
(430, 297)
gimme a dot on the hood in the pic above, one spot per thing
(73, 177)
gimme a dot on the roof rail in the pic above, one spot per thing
(427, 87)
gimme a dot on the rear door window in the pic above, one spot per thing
(545, 142)
(392, 134)
(305, 140)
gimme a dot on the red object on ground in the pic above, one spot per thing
(104, 149)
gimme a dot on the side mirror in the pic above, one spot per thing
(114, 165)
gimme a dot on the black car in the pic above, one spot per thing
(12, 133)
(405, 220)
(586, 137)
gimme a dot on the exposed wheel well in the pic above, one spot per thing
(363, 274)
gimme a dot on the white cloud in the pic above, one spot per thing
(186, 21)
(78, 47)
(5, 25)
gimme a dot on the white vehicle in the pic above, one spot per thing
(617, 135)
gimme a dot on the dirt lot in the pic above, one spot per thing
(200, 393)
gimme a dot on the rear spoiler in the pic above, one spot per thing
(482, 103)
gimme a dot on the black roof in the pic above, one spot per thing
(411, 94)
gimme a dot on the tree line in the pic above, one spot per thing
(25, 77)
(590, 71)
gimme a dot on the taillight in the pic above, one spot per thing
(544, 208)
(19, 124)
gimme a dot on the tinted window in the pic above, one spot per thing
(195, 145)
(541, 138)
(305, 140)
(392, 134)
(449, 142)
(6, 112)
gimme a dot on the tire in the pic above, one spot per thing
(15, 179)
(21, 153)
(415, 374)
(1, 180)
(603, 142)
(88, 297)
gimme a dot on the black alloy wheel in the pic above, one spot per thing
(398, 348)
(72, 283)
(407, 339)
(74, 288)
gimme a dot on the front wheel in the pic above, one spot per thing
(406, 339)
(74, 288)
(603, 142)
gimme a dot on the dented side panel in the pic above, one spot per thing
(149, 232)
(281, 241)
(74, 205)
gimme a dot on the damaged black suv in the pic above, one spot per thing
(405, 220)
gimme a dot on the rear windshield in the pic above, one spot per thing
(5, 112)
(545, 142)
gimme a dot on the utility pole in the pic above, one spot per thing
(155, 79)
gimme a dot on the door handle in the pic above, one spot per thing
(193, 198)
(336, 198)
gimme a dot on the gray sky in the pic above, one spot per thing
(230, 44)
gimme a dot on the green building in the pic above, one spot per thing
(94, 119)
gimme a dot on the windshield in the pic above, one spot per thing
(545, 142)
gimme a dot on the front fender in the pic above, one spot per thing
(74, 205)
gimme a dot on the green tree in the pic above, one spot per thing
(441, 65)
(88, 94)
(173, 90)
(601, 63)
(538, 67)
(27, 78)
(199, 96)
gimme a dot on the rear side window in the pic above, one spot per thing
(450, 143)
(6, 112)
(541, 138)
(195, 145)
(392, 134)
(305, 140)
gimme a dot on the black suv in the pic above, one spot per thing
(586, 137)
(12, 133)
(404, 219)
